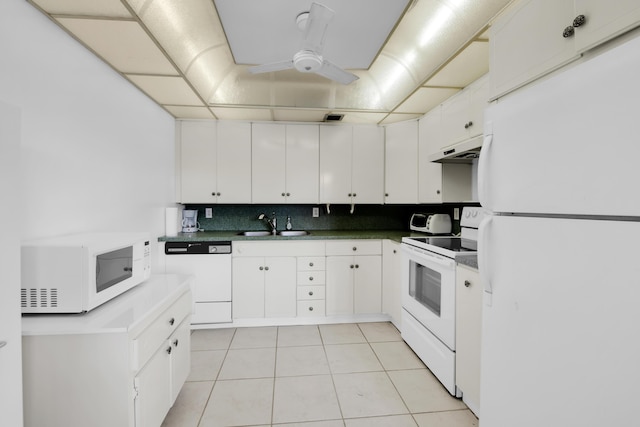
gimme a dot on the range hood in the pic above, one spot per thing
(463, 152)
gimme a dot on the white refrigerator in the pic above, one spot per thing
(559, 256)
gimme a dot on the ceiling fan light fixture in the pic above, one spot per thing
(307, 61)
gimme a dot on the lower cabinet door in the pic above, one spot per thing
(180, 342)
(153, 387)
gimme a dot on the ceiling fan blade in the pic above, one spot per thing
(335, 73)
(273, 66)
(317, 23)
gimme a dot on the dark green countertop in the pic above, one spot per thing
(395, 235)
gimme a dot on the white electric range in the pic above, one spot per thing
(428, 293)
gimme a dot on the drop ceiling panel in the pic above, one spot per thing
(246, 114)
(471, 64)
(166, 90)
(359, 117)
(96, 8)
(425, 99)
(123, 44)
(265, 31)
(396, 117)
(181, 112)
(299, 115)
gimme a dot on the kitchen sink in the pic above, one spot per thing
(255, 233)
(291, 233)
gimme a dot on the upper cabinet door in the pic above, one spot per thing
(335, 164)
(604, 20)
(198, 161)
(302, 164)
(367, 176)
(268, 155)
(401, 163)
(234, 162)
(527, 42)
(429, 173)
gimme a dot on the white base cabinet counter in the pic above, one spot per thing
(266, 277)
(121, 364)
(468, 335)
(354, 277)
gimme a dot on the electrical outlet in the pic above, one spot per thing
(208, 213)
(316, 212)
(456, 214)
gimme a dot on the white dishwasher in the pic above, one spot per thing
(210, 263)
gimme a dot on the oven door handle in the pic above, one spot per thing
(484, 230)
(435, 258)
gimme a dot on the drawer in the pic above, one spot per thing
(312, 263)
(354, 247)
(311, 278)
(149, 340)
(310, 292)
(310, 308)
(211, 312)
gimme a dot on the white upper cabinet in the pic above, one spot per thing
(401, 163)
(535, 37)
(351, 164)
(233, 162)
(603, 20)
(285, 163)
(462, 115)
(215, 162)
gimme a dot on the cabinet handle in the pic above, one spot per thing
(261, 268)
(169, 350)
(310, 293)
(357, 266)
(282, 194)
(386, 194)
(175, 343)
(467, 283)
(172, 321)
(437, 191)
(311, 278)
(266, 268)
(394, 251)
(310, 308)
(568, 32)
(468, 125)
(579, 21)
(288, 194)
(349, 195)
(355, 248)
(354, 194)
(310, 264)
(351, 266)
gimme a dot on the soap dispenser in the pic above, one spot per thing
(289, 226)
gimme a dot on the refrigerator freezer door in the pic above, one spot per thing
(569, 144)
(560, 340)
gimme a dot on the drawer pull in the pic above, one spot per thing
(172, 321)
(168, 350)
(355, 248)
(310, 308)
(310, 293)
(311, 278)
(175, 343)
(310, 264)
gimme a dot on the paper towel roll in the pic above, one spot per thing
(171, 222)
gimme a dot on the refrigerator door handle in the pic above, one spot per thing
(483, 263)
(482, 168)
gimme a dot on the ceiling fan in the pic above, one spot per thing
(309, 59)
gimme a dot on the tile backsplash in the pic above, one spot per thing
(364, 217)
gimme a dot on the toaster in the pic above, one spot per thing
(431, 223)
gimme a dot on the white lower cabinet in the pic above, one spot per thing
(264, 287)
(311, 286)
(391, 277)
(354, 277)
(468, 335)
(266, 276)
(121, 364)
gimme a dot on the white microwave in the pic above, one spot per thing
(77, 273)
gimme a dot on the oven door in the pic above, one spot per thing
(428, 291)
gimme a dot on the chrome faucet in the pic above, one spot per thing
(272, 222)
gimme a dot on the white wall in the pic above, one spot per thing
(97, 154)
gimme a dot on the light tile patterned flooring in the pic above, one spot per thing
(344, 375)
